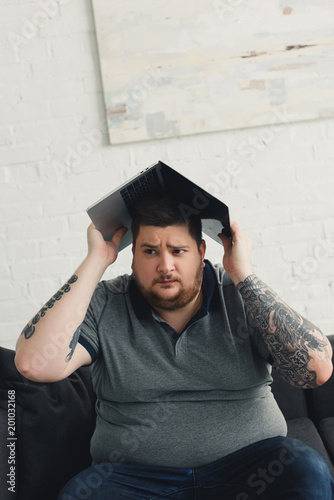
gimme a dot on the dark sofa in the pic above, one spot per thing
(53, 424)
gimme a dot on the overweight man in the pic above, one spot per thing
(181, 354)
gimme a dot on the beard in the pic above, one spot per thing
(182, 298)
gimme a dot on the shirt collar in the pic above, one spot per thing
(143, 310)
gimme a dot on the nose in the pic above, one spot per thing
(166, 263)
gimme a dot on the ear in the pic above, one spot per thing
(133, 254)
(202, 249)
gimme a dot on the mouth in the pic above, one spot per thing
(166, 282)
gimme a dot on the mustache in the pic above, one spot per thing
(165, 277)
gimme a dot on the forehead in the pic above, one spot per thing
(174, 234)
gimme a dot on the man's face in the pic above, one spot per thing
(168, 266)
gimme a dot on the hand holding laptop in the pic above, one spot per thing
(107, 251)
(237, 254)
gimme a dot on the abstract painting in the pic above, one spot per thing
(172, 68)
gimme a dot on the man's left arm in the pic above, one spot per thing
(301, 352)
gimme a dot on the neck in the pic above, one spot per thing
(179, 318)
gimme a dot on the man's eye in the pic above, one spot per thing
(150, 251)
(178, 251)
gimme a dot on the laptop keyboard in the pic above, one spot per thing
(146, 185)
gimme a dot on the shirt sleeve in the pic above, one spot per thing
(89, 336)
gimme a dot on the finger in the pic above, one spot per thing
(92, 233)
(235, 230)
(226, 241)
(90, 228)
(118, 235)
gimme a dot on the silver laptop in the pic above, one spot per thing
(114, 210)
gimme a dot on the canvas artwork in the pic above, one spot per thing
(172, 68)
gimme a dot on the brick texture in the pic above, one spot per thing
(56, 160)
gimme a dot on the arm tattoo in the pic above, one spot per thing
(29, 330)
(291, 339)
(73, 344)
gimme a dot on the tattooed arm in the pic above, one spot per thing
(47, 349)
(301, 353)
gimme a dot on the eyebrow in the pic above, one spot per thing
(149, 245)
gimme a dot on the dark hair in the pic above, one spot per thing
(162, 212)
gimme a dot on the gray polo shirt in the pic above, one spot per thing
(177, 400)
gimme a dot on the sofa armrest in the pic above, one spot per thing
(292, 401)
(305, 430)
(53, 422)
(326, 429)
(321, 399)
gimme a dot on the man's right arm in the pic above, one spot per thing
(47, 349)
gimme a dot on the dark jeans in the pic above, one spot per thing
(277, 468)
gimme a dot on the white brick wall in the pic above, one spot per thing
(55, 161)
